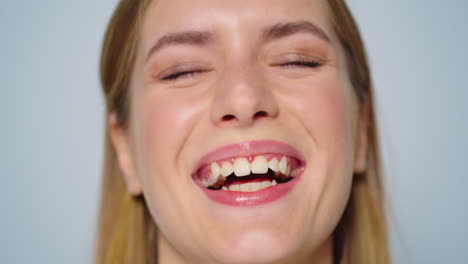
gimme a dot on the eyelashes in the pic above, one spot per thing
(180, 75)
(302, 63)
(189, 74)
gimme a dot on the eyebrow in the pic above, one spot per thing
(272, 32)
(280, 30)
(198, 38)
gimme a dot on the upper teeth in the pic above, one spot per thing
(273, 164)
(226, 170)
(283, 165)
(260, 165)
(241, 167)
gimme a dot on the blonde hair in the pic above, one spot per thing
(126, 232)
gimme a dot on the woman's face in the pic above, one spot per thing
(221, 91)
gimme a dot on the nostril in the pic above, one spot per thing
(260, 114)
(228, 117)
(257, 115)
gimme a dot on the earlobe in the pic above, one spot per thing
(361, 141)
(121, 145)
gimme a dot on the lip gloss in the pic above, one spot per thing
(263, 196)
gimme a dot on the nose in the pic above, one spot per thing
(242, 98)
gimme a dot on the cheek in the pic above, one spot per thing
(326, 114)
(156, 120)
(327, 118)
(323, 108)
(165, 122)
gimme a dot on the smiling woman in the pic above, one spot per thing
(239, 132)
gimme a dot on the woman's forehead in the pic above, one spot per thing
(166, 16)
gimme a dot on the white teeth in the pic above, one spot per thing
(255, 186)
(211, 180)
(205, 183)
(266, 184)
(226, 169)
(246, 187)
(283, 165)
(273, 164)
(249, 187)
(241, 167)
(294, 173)
(225, 188)
(215, 169)
(260, 165)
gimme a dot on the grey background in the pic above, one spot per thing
(51, 142)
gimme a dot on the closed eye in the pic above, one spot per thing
(307, 64)
(180, 75)
(191, 73)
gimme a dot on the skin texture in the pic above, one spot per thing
(230, 79)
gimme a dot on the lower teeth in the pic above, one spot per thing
(250, 186)
(275, 178)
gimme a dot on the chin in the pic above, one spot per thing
(259, 247)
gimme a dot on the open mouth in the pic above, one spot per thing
(249, 173)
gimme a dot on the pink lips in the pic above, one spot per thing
(246, 149)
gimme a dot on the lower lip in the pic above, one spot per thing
(243, 199)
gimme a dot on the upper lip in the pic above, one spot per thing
(249, 148)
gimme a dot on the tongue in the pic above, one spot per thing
(250, 178)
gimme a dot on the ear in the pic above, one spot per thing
(361, 140)
(121, 144)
